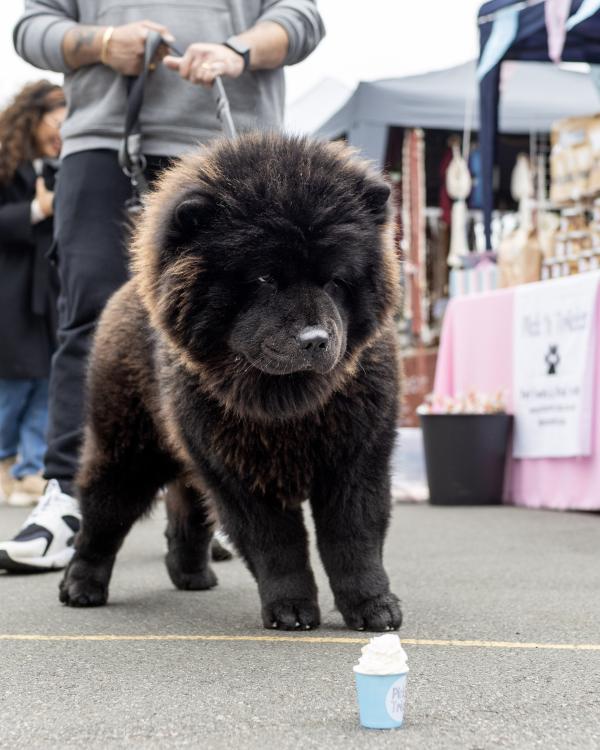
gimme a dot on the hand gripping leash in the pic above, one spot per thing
(221, 100)
(131, 158)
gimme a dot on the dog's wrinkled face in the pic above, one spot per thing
(291, 327)
(271, 271)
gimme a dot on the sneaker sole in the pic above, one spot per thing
(35, 564)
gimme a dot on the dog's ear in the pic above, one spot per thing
(191, 213)
(375, 194)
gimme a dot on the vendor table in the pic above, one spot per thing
(476, 353)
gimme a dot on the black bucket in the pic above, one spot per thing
(465, 456)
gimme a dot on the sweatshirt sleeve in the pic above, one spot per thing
(302, 23)
(39, 32)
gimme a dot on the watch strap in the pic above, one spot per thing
(240, 49)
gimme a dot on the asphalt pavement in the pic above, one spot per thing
(502, 631)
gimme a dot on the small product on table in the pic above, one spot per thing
(573, 219)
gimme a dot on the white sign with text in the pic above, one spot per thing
(553, 367)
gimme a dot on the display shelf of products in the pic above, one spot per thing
(575, 192)
(576, 245)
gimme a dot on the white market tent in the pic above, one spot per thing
(534, 96)
(310, 111)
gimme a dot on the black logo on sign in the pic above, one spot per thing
(552, 359)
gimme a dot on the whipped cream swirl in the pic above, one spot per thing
(383, 655)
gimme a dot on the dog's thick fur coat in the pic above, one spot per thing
(251, 364)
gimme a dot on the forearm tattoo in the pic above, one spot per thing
(83, 37)
(81, 46)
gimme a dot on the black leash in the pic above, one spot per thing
(131, 158)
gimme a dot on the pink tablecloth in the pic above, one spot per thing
(476, 353)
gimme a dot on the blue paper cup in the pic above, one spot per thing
(381, 699)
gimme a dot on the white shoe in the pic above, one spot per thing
(222, 546)
(224, 540)
(45, 541)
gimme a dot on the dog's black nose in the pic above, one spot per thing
(313, 339)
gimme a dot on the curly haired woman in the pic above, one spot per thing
(29, 147)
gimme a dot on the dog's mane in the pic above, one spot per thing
(203, 171)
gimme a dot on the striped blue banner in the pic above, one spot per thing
(504, 31)
(586, 9)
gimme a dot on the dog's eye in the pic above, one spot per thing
(266, 280)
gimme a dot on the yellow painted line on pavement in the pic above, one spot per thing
(301, 639)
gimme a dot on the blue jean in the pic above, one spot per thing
(23, 423)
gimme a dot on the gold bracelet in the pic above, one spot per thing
(105, 41)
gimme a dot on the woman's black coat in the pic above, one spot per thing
(28, 283)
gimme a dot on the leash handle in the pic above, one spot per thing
(131, 158)
(135, 85)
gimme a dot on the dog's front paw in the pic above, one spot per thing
(291, 614)
(378, 614)
(84, 585)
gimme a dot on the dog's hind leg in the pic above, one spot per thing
(189, 534)
(116, 487)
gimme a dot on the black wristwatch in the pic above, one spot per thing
(240, 48)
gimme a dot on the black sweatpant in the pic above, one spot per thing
(91, 230)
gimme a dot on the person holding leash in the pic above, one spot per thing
(98, 45)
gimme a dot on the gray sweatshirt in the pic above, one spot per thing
(176, 114)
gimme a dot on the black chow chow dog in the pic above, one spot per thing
(251, 364)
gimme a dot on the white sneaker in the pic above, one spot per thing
(45, 541)
(222, 547)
